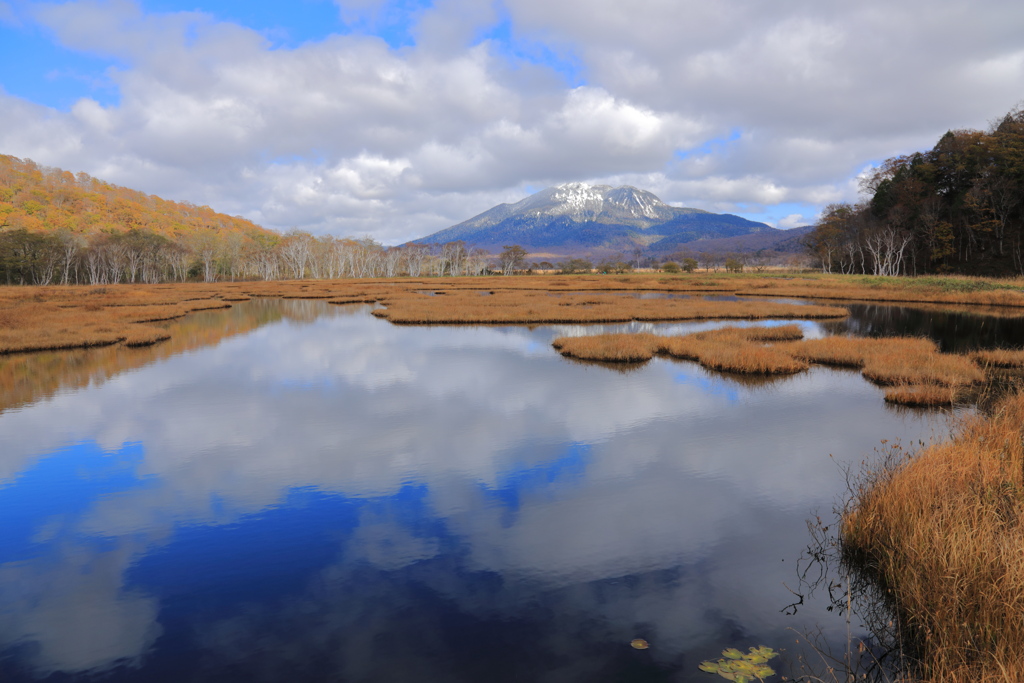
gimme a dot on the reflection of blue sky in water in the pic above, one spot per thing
(357, 500)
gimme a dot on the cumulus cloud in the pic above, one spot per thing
(792, 220)
(350, 135)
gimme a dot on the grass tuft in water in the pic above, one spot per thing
(942, 534)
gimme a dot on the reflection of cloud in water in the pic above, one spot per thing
(385, 545)
(674, 482)
(72, 610)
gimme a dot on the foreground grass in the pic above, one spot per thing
(943, 535)
(913, 369)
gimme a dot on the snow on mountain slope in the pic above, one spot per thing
(584, 215)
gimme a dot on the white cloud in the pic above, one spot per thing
(210, 112)
(793, 220)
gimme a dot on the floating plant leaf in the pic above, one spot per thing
(742, 668)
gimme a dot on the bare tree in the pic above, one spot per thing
(296, 251)
(511, 259)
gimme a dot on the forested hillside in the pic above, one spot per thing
(57, 227)
(958, 207)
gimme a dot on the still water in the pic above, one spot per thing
(319, 495)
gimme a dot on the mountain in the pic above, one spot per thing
(578, 218)
(774, 240)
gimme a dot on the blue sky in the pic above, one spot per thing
(396, 119)
(38, 69)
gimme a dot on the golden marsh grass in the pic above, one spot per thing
(39, 318)
(943, 535)
(730, 349)
(913, 369)
(529, 307)
(1000, 358)
(892, 360)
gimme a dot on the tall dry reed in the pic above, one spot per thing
(943, 535)
(1000, 358)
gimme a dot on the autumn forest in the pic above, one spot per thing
(57, 227)
(957, 208)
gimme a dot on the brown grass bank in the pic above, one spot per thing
(53, 318)
(942, 534)
(913, 369)
(530, 307)
(39, 318)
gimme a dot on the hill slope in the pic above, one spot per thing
(773, 240)
(580, 218)
(41, 199)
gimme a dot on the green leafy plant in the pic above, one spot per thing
(742, 668)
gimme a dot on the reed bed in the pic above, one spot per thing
(896, 366)
(914, 371)
(97, 320)
(739, 349)
(902, 361)
(854, 351)
(936, 290)
(45, 326)
(610, 348)
(526, 307)
(921, 395)
(730, 349)
(1000, 358)
(110, 314)
(942, 534)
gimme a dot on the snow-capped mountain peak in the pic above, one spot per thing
(580, 196)
(583, 201)
(588, 215)
(638, 203)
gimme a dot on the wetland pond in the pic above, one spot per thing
(293, 491)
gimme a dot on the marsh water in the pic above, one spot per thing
(293, 491)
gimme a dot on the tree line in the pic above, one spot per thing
(62, 228)
(957, 208)
(140, 255)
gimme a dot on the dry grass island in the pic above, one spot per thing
(56, 317)
(941, 533)
(914, 372)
